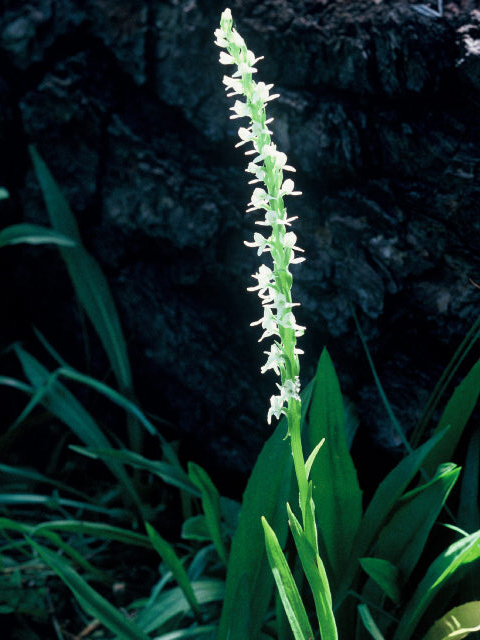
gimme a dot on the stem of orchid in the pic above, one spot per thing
(293, 417)
(274, 286)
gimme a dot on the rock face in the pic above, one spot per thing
(379, 114)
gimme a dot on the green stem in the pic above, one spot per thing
(293, 418)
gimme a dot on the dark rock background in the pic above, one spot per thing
(379, 113)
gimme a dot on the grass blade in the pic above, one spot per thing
(369, 622)
(89, 283)
(102, 531)
(289, 594)
(336, 492)
(33, 234)
(172, 603)
(461, 553)
(211, 507)
(63, 404)
(168, 555)
(89, 599)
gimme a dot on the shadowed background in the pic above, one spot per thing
(379, 114)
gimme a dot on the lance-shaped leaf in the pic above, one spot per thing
(403, 539)
(211, 506)
(456, 414)
(289, 594)
(33, 234)
(90, 600)
(89, 283)
(268, 489)
(317, 578)
(440, 572)
(336, 492)
(168, 555)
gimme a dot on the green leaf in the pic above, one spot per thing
(458, 623)
(369, 622)
(468, 508)
(168, 555)
(63, 404)
(172, 475)
(89, 283)
(440, 572)
(456, 414)
(211, 507)
(336, 492)
(381, 506)
(99, 530)
(291, 599)
(385, 574)
(33, 234)
(267, 491)
(90, 600)
(317, 579)
(403, 539)
(170, 604)
(195, 528)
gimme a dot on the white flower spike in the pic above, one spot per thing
(267, 167)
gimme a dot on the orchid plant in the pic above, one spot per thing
(274, 284)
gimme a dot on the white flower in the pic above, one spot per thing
(260, 200)
(265, 277)
(226, 58)
(275, 359)
(261, 92)
(288, 189)
(289, 240)
(237, 39)
(241, 110)
(232, 84)
(288, 322)
(276, 408)
(268, 322)
(290, 389)
(259, 241)
(220, 39)
(243, 69)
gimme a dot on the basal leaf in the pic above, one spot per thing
(403, 539)
(385, 574)
(267, 492)
(336, 492)
(440, 572)
(456, 414)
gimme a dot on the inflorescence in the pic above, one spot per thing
(267, 166)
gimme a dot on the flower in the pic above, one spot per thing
(241, 110)
(259, 241)
(275, 360)
(276, 408)
(266, 279)
(268, 322)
